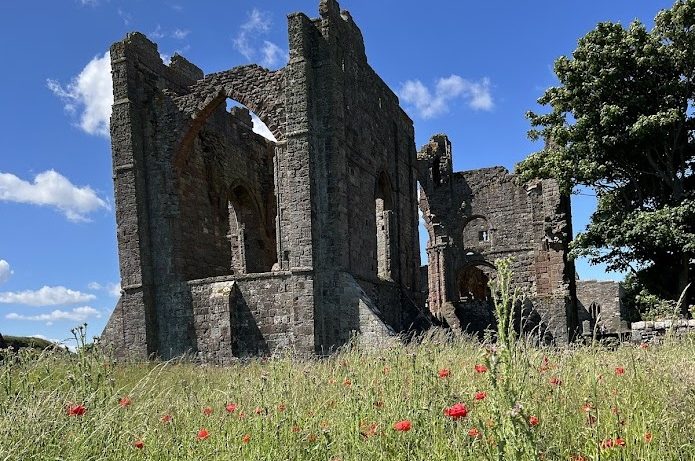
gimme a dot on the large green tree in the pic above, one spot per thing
(621, 122)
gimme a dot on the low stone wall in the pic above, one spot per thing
(251, 315)
(652, 331)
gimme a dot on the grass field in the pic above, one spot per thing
(523, 403)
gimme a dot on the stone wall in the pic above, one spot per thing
(600, 308)
(644, 332)
(475, 217)
(252, 315)
(199, 195)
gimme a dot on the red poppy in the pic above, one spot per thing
(246, 438)
(258, 410)
(473, 432)
(347, 382)
(296, 429)
(230, 407)
(282, 407)
(648, 437)
(207, 411)
(311, 438)
(139, 444)
(480, 395)
(619, 442)
(578, 458)
(555, 381)
(76, 410)
(456, 411)
(480, 368)
(124, 402)
(403, 426)
(444, 373)
(644, 346)
(166, 418)
(533, 420)
(203, 434)
(619, 371)
(587, 407)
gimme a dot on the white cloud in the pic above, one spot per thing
(5, 271)
(89, 2)
(180, 34)
(78, 314)
(260, 128)
(431, 104)
(45, 296)
(113, 289)
(57, 342)
(90, 93)
(272, 54)
(52, 189)
(258, 24)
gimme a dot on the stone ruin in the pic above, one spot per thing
(231, 245)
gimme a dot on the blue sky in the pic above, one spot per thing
(468, 69)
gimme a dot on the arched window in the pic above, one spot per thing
(383, 203)
(252, 249)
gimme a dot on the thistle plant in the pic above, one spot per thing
(513, 426)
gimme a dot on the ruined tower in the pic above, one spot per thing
(475, 217)
(232, 245)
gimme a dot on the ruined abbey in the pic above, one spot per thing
(231, 245)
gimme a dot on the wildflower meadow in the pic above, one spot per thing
(434, 400)
(437, 398)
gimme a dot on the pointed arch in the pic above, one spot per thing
(259, 89)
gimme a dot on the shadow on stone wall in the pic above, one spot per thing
(247, 338)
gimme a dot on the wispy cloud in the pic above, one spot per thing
(50, 188)
(180, 34)
(5, 271)
(273, 54)
(78, 314)
(159, 33)
(430, 104)
(113, 289)
(45, 296)
(125, 16)
(89, 95)
(246, 41)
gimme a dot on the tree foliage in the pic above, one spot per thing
(621, 122)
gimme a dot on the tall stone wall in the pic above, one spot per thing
(200, 196)
(476, 217)
(362, 157)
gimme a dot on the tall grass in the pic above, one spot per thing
(581, 403)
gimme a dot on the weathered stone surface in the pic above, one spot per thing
(233, 245)
(600, 308)
(475, 217)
